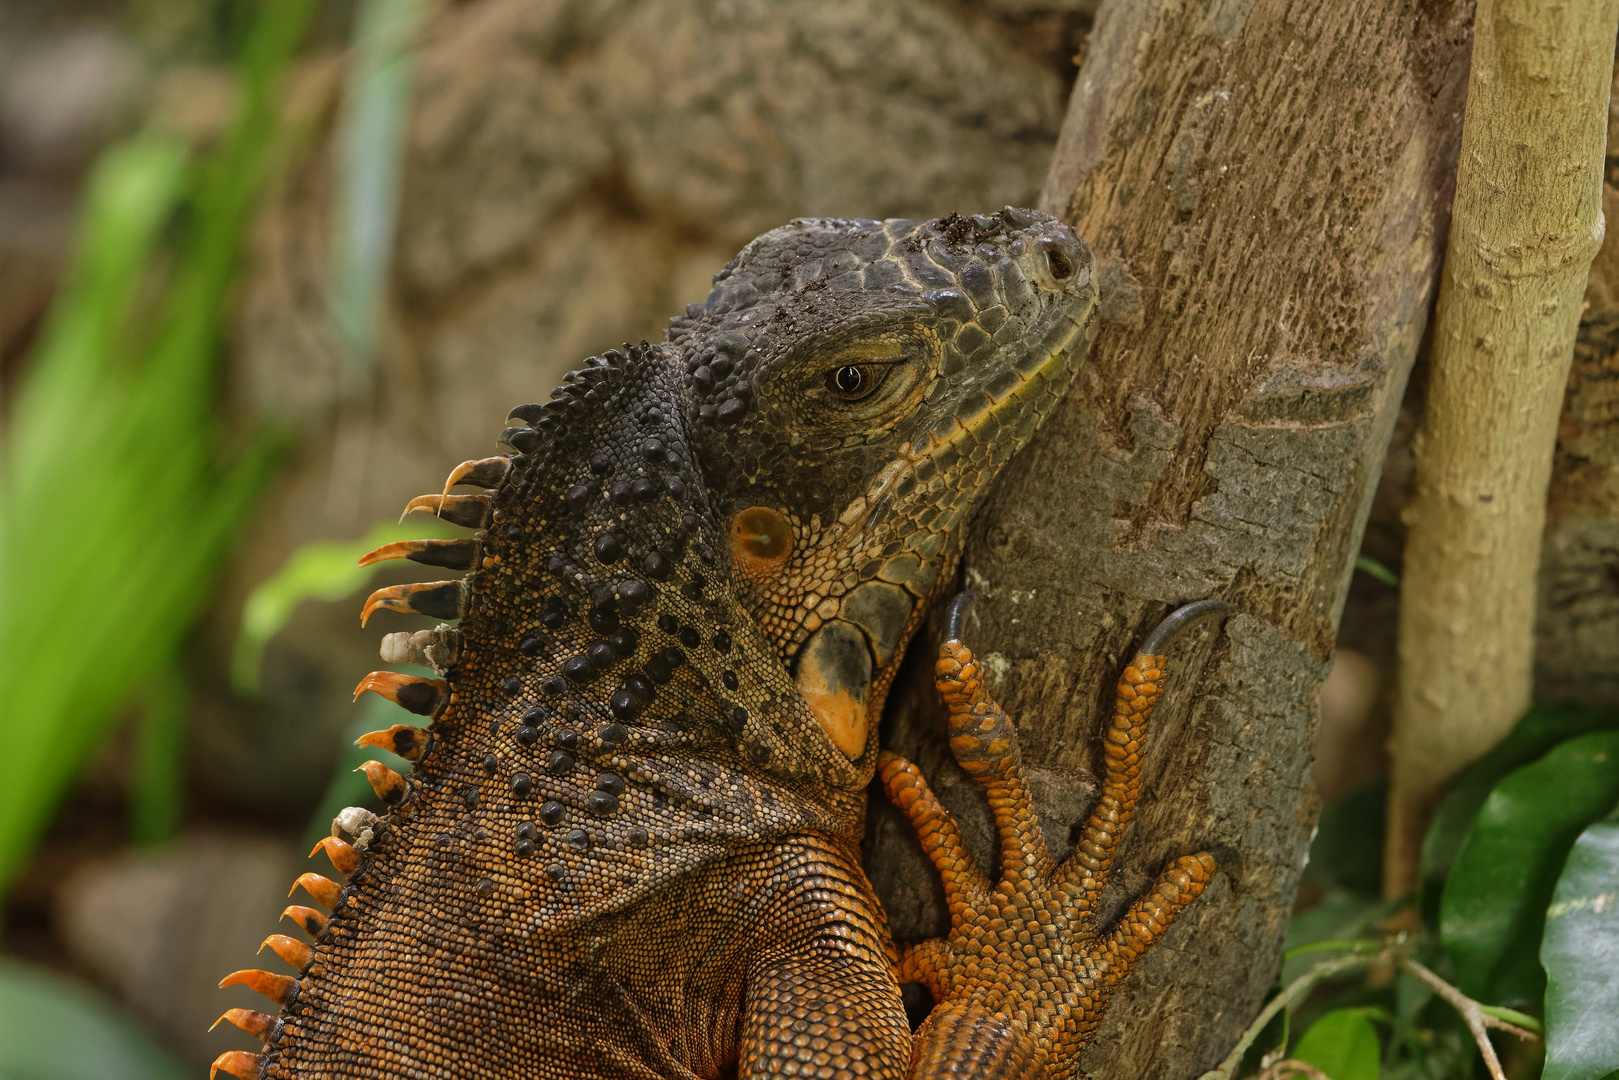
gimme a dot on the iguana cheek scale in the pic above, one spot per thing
(628, 846)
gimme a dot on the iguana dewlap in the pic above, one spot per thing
(628, 847)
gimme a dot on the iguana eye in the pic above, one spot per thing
(851, 382)
(862, 374)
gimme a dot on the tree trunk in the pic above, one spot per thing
(1264, 186)
(1528, 221)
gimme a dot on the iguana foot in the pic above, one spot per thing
(1025, 973)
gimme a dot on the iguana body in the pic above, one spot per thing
(629, 844)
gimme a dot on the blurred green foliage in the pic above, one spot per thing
(87, 1035)
(1376, 570)
(119, 489)
(1521, 911)
(376, 107)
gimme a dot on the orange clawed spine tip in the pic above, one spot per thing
(296, 953)
(424, 697)
(260, 1025)
(389, 785)
(325, 891)
(237, 1063)
(407, 741)
(471, 511)
(280, 989)
(312, 921)
(451, 554)
(435, 599)
(340, 852)
(483, 472)
(430, 504)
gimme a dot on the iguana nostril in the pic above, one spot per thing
(1063, 257)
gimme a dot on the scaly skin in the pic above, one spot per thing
(628, 847)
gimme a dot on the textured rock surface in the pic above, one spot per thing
(576, 172)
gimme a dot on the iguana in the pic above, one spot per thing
(629, 843)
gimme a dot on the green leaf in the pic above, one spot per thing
(1541, 728)
(1343, 1044)
(158, 767)
(1376, 570)
(1580, 952)
(55, 1029)
(1494, 903)
(322, 570)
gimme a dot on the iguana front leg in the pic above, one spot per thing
(1023, 977)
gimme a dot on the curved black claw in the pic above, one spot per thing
(1178, 620)
(960, 604)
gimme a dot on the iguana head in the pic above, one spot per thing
(852, 387)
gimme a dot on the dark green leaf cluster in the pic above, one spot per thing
(1519, 912)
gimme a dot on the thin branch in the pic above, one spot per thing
(1477, 1020)
(1478, 1017)
(1525, 223)
(1295, 991)
(1513, 1016)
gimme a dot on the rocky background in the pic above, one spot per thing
(575, 172)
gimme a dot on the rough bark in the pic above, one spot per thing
(1526, 223)
(1577, 629)
(1264, 185)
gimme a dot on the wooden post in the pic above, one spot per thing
(1526, 223)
